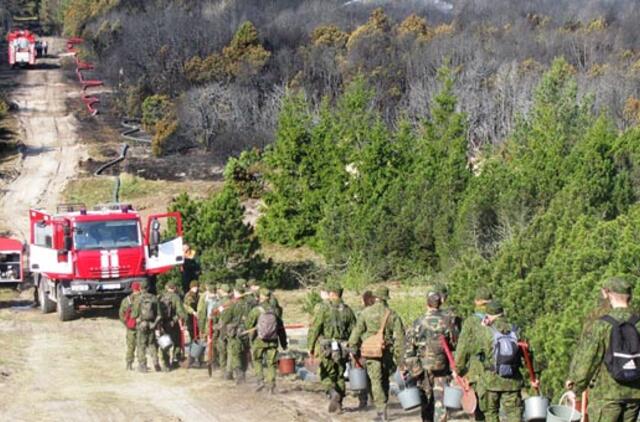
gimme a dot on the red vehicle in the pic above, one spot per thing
(22, 48)
(11, 264)
(83, 258)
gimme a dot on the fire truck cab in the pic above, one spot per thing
(83, 258)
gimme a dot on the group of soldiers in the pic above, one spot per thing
(236, 325)
(485, 346)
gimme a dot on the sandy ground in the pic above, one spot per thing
(75, 371)
(50, 154)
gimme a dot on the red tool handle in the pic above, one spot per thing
(452, 363)
(196, 334)
(527, 360)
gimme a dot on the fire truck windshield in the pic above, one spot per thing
(106, 234)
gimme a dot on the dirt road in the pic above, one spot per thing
(50, 154)
(75, 371)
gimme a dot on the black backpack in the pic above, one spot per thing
(622, 357)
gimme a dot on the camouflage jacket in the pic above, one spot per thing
(453, 322)
(467, 356)
(136, 312)
(489, 379)
(239, 312)
(368, 324)
(125, 304)
(423, 340)
(588, 363)
(171, 307)
(334, 320)
(275, 305)
(252, 322)
(191, 300)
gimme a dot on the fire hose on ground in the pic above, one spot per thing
(117, 183)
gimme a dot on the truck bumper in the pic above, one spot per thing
(97, 292)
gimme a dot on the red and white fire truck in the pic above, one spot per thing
(80, 257)
(22, 48)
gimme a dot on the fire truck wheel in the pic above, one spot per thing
(65, 308)
(46, 305)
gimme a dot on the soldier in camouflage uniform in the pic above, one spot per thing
(172, 313)
(379, 370)
(264, 349)
(220, 320)
(125, 305)
(468, 344)
(237, 342)
(147, 314)
(426, 359)
(500, 393)
(327, 339)
(609, 400)
(207, 301)
(453, 320)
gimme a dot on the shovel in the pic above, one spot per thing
(527, 360)
(469, 399)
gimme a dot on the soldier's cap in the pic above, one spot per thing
(252, 282)
(144, 284)
(135, 286)
(171, 284)
(381, 292)
(224, 287)
(618, 285)
(433, 294)
(483, 293)
(494, 308)
(194, 283)
(264, 291)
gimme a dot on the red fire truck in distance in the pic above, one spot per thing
(21, 48)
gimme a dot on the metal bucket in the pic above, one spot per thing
(410, 398)
(452, 397)
(357, 379)
(164, 341)
(535, 408)
(196, 349)
(560, 413)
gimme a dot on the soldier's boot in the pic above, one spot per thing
(334, 401)
(363, 398)
(272, 389)
(190, 362)
(142, 368)
(129, 366)
(239, 374)
(227, 375)
(260, 385)
(157, 367)
(382, 416)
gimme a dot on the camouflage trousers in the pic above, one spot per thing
(265, 354)
(220, 351)
(432, 386)
(613, 410)
(146, 342)
(509, 401)
(236, 354)
(379, 371)
(331, 374)
(131, 345)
